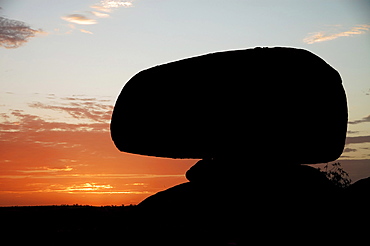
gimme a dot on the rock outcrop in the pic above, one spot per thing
(271, 102)
(254, 117)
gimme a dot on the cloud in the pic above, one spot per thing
(349, 150)
(92, 187)
(81, 108)
(86, 31)
(79, 19)
(108, 5)
(104, 6)
(351, 132)
(53, 150)
(15, 33)
(365, 119)
(47, 169)
(359, 139)
(324, 36)
(31, 123)
(99, 15)
(89, 187)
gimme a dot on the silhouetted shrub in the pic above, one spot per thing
(336, 174)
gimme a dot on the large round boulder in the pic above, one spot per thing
(267, 103)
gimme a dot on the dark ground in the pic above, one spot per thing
(65, 225)
(123, 225)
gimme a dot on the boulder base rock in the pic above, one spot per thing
(266, 102)
(252, 115)
(275, 203)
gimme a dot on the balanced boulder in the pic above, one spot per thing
(252, 116)
(263, 102)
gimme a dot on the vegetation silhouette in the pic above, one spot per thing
(337, 175)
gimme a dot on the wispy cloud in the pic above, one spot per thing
(90, 109)
(365, 119)
(101, 10)
(349, 150)
(99, 14)
(97, 188)
(89, 187)
(359, 139)
(75, 113)
(329, 35)
(47, 169)
(73, 27)
(79, 19)
(15, 33)
(109, 5)
(86, 31)
(54, 146)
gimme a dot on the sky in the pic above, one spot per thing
(64, 62)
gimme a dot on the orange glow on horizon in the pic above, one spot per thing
(49, 163)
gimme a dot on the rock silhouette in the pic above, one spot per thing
(253, 117)
(283, 101)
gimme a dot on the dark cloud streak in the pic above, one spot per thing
(32, 123)
(365, 119)
(81, 108)
(15, 33)
(359, 139)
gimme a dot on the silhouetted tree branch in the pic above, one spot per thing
(336, 174)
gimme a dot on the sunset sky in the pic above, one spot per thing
(63, 64)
